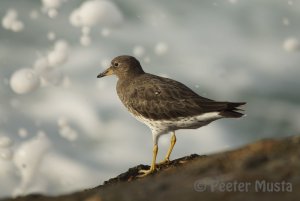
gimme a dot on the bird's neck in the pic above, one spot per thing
(127, 77)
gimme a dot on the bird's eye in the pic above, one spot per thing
(116, 64)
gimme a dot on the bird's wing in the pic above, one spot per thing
(161, 98)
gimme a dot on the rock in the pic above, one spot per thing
(265, 170)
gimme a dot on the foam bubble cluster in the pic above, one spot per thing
(43, 73)
(5, 151)
(51, 76)
(95, 12)
(59, 54)
(11, 22)
(45, 65)
(28, 158)
(51, 6)
(65, 130)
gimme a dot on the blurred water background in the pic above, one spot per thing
(61, 129)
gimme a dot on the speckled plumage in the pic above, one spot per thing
(158, 98)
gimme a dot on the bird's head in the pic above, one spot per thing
(123, 66)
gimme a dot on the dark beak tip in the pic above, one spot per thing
(99, 76)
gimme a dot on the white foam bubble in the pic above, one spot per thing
(61, 45)
(147, 59)
(68, 133)
(94, 12)
(52, 13)
(22, 132)
(100, 11)
(50, 7)
(65, 129)
(7, 23)
(139, 51)
(59, 55)
(291, 44)
(24, 81)
(85, 40)
(51, 35)
(17, 26)
(5, 141)
(56, 58)
(286, 21)
(161, 48)
(12, 14)
(51, 4)
(33, 14)
(105, 32)
(10, 21)
(75, 18)
(62, 121)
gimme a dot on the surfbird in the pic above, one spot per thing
(163, 104)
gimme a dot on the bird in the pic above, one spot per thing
(163, 104)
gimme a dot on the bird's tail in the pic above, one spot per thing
(233, 110)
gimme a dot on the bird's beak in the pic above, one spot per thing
(107, 72)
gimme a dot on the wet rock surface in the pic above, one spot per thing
(264, 170)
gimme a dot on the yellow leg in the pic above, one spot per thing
(153, 165)
(167, 157)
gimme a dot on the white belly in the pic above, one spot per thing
(159, 127)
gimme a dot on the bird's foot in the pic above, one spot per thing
(143, 173)
(165, 161)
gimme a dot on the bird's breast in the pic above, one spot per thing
(124, 93)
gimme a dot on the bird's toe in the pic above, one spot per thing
(143, 173)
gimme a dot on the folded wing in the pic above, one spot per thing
(160, 98)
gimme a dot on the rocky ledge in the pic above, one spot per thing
(264, 170)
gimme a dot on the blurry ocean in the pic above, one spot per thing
(62, 129)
